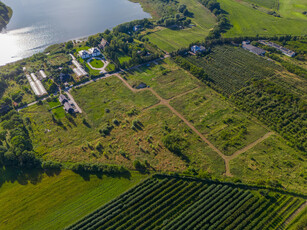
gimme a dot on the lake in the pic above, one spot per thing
(37, 24)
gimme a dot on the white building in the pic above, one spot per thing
(92, 52)
(84, 54)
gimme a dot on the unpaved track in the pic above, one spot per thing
(248, 147)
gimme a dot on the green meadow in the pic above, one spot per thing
(248, 21)
(170, 39)
(55, 201)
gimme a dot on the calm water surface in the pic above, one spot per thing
(37, 24)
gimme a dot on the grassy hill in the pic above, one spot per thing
(38, 201)
(5, 15)
(248, 20)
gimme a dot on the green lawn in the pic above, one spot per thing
(272, 159)
(123, 59)
(89, 69)
(170, 40)
(167, 79)
(227, 128)
(247, 21)
(53, 104)
(59, 112)
(53, 202)
(96, 63)
(110, 67)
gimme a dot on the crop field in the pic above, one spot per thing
(35, 201)
(167, 79)
(170, 40)
(226, 127)
(173, 204)
(272, 160)
(248, 21)
(231, 67)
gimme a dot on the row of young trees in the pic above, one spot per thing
(284, 112)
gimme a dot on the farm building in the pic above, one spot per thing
(284, 50)
(198, 49)
(42, 73)
(253, 49)
(36, 85)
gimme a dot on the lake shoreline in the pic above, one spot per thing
(114, 14)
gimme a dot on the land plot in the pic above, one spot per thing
(170, 39)
(272, 160)
(167, 79)
(226, 127)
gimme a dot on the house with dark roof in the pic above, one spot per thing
(63, 99)
(92, 52)
(136, 28)
(142, 85)
(68, 108)
(198, 49)
(253, 49)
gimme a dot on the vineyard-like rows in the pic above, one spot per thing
(173, 203)
(231, 67)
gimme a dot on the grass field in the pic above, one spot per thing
(226, 127)
(110, 67)
(270, 4)
(123, 59)
(96, 63)
(53, 202)
(58, 59)
(102, 102)
(170, 40)
(167, 79)
(272, 160)
(247, 21)
(176, 204)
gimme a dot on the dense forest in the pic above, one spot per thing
(5, 15)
